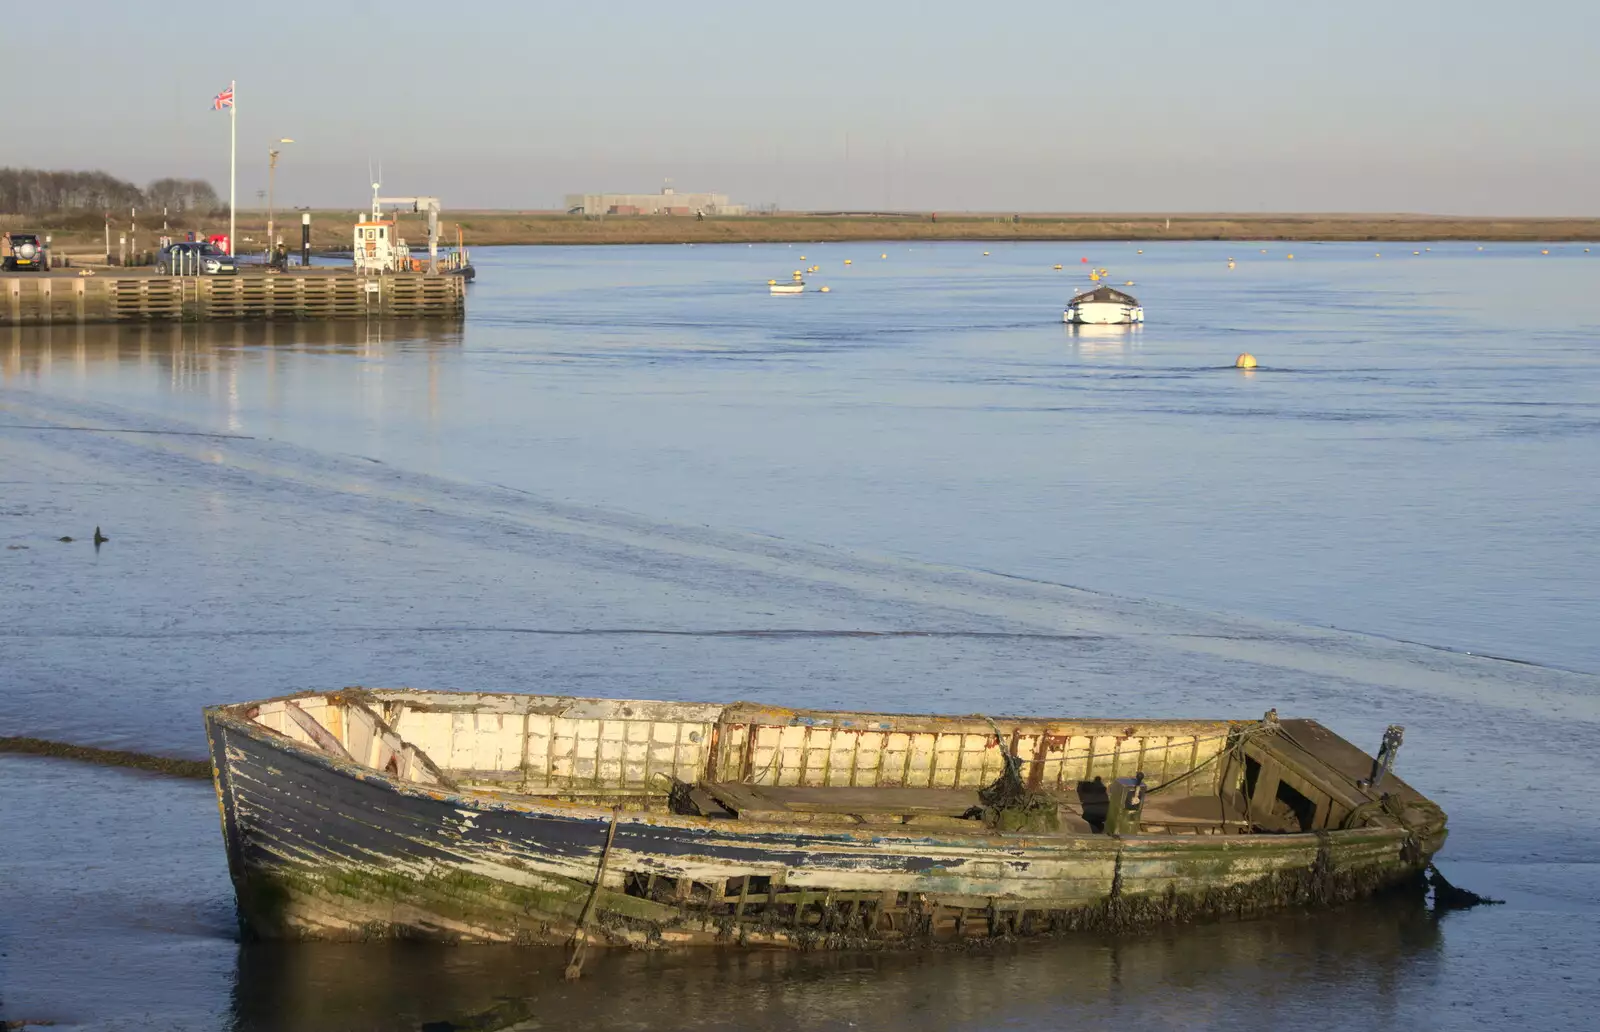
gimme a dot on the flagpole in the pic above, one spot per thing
(233, 163)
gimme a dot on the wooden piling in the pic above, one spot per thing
(116, 295)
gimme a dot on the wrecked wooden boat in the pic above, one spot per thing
(484, 817)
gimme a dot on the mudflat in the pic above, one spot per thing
(331, 228)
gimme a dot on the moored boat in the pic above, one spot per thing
(361, 813)
(1103, 306)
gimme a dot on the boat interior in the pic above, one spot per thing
(743, 762)
(1106, 294)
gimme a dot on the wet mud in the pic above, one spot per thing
(24, 745)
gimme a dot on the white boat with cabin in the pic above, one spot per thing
(1103, 306)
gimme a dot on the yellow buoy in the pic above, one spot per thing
(986, 254)
(1378, 255)
(825, 290)
(802, 257)
(1544, 252)
(883, 256)
(1230, 263)
(1128, 284)
(1141, 250)
(772, 282)
(1057, 266)
(847, 261)
(1263, 250)
(1291, 257)
(1094, 277)
(1416, 252)
(1245, 361)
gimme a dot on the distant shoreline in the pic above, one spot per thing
(331, 229)
(511, 228)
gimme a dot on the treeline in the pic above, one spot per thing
(31, 191)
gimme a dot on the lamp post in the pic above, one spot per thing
(272, 169)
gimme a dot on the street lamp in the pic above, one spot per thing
(272, 169)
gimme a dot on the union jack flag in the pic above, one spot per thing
(223, 99)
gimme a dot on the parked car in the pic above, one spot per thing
(194, 258)
(25, 251)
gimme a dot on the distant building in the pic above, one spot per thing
(667, 202)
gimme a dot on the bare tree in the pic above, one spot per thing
(179, 195)
(30, 191)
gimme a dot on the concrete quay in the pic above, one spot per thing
(141, 295)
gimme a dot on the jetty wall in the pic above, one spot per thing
(40, 300)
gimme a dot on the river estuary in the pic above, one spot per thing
(634, 473)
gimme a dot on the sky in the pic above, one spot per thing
(1410, 105)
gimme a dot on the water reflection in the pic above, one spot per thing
(1372, 958)
(38, 352)
(238, 378)
(1102, 340)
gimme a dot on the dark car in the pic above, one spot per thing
(25, 251)
(195, 259)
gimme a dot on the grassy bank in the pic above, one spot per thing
(514, 228)
(331, 229)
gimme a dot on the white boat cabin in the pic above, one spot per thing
(1103, 306)
(379, 248)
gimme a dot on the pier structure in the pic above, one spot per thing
(125, 295)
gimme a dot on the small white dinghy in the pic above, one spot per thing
(1103, 306)
(796, 287)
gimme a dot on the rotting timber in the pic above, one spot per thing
(360, 814)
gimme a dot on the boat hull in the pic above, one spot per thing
(1103, 313)
(320, 848)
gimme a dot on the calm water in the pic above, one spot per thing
(631, 466)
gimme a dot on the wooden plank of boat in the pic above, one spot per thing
(319, 734)
(746, 799)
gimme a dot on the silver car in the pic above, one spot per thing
(195, 259)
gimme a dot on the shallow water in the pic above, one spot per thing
(634, 473)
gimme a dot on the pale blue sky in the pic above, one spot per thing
(1409, 105)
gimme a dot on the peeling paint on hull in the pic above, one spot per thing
(321, 848)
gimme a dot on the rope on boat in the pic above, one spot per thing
(580, 936)
(1239, 736)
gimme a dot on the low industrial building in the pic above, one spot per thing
(667, 202)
